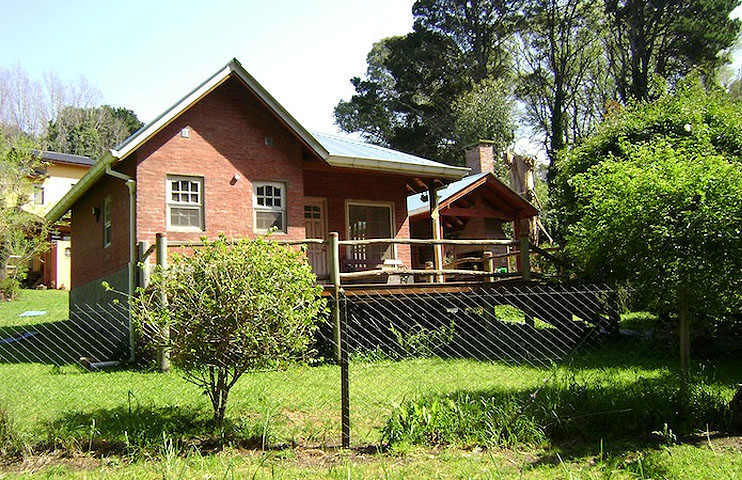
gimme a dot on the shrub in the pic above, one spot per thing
(232, 308)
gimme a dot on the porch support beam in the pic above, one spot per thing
(437, 230)
(480, 211)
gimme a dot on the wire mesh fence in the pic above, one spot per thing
(403, 343)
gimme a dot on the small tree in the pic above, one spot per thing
(22, 234)
(232, 308)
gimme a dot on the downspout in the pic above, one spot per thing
(131, 184)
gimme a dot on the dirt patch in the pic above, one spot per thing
(36, 463)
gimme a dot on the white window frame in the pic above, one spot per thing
(107, 216)
(367, 203)
(262, 208)
(169, 203)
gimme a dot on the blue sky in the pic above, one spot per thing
(145, 55)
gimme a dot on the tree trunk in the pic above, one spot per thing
(736, 407)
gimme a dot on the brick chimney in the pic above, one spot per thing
(480, 157)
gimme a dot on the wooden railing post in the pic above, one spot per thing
(488, 264)
(163, 355)
(429, 266)
(525, 258)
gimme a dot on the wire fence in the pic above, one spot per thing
(402, 343)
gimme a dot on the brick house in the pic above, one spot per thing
(228, 158)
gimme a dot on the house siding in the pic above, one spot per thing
(91, 261)
(228, 131)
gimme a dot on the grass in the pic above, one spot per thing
(139, 424)
(54, 302)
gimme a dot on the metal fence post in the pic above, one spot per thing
(340, 334)
(163, 355)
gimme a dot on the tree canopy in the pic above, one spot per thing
(654, 199)
(90, 131)
(566, 60)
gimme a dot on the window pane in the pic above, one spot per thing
(261, 191)
(267, 220)
(370, 221)
(194, 198)
(277, 202)
(185, 217)
(268, 190)
(194, 186)
(269, 202)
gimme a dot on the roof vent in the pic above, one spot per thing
(185, 133)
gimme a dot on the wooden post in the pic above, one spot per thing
(525, 258)
(488, 265)
(334, 252)
(435, 222)
(684, 332)
(144, 268)
(163, 355)
(340, 335)
(429, 266)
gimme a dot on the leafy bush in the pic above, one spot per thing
(9, 288)
(232, 307)
(654, 199)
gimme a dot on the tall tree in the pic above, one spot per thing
(666, 38)
(406, 99)
(28, 105)
(561, 79)
(482, 30)
(90, 131)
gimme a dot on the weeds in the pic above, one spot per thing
(571, 407)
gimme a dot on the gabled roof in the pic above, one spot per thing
(66, 158)
(336, 151)
(456, 190)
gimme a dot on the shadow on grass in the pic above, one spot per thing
(61, 343)
(150, 429)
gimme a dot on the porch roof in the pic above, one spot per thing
(515, 205)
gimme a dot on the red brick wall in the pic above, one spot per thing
(227, 136)
(90, 260)
(341, 185)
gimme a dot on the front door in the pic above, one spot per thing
(314, 222)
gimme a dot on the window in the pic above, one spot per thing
(269, 203)
(367, 221)
(38, 195)
(107, 224)
(185, 203)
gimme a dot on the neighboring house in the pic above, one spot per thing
(58, 175)
(228, 158)
(475, 207)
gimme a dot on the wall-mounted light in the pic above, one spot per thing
(423, 197)
(236, 177)
(185, 132)
(96, 213)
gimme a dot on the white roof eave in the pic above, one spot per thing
(386, 165)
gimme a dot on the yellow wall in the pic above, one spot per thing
(60, 178)
(63, 265)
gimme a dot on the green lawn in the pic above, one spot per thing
(54, 302)
(138, 424)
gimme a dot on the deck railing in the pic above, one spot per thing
(434, 271)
